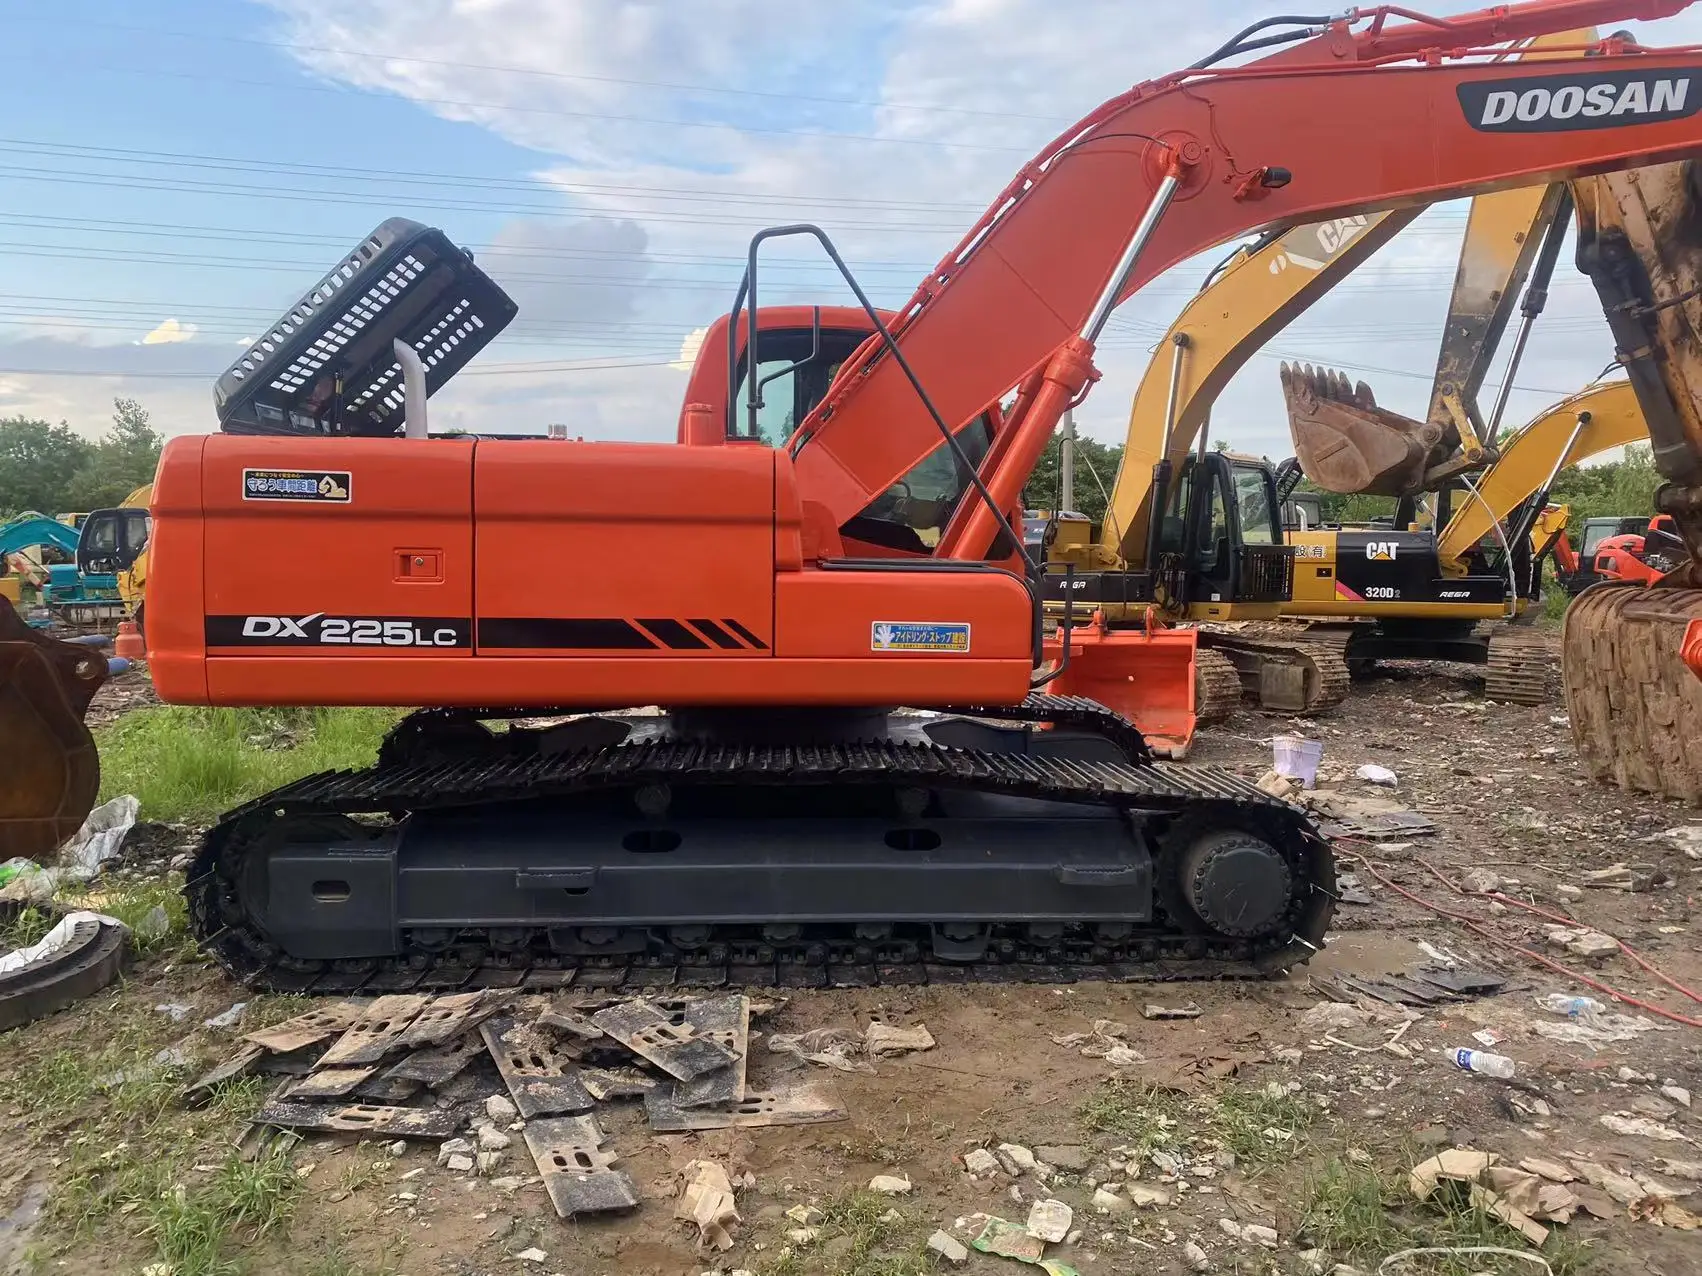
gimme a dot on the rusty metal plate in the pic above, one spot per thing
(360, 1118)
(727, 1022)
(239, 1064)
(807, 1104)
(436, 1066)
(377, 1032)
(543, 1080)
(577, 1173)
(307, 1029)
(329, 1083)
(666, 1039)
(447, 1017)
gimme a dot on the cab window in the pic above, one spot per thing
(790, 396)
(912, 514)
(1252, 498)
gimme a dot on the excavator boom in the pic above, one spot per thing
(1253, 145)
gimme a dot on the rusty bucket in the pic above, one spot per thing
(49, 770)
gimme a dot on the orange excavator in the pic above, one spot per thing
(781, 821)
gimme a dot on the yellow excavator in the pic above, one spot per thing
(1380, 593)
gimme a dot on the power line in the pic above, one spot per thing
(295, 90)
(178, 159)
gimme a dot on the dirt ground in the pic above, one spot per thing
(1275, 1126)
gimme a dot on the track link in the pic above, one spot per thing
(1297, 671)
(1520, 665)
(1217, 686)
(1176, 802)
(1635, 709)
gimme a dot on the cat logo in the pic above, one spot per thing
(1381, 551)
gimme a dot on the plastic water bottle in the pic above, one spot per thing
(1558, 1003)
(1491, 1065)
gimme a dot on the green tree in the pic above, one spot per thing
(1096, 468)
(38, 463)
(122, 461)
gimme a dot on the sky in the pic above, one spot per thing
(173, 176)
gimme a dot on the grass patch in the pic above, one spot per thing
(28, 927)
(193, 1228)
(1357, 1214)
(1262, 1127)
(1144, 1117)
(156, 912)
(191, 763)
(877, 1248)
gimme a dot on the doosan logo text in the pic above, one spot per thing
(1565, 103)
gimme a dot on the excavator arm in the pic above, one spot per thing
(1346, 443)
(1636, 713)
(1588, 423)
(1230, 150)
(1265, 286)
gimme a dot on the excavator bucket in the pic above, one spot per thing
(49, 770)
(1145, 675)
(1346, 443)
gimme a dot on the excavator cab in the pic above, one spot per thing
(1218, 549)
(111, 541)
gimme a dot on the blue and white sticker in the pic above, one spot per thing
(906, 635)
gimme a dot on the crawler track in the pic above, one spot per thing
(1519, 667)
(1170, 806)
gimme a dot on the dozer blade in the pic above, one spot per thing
(1635, 708)
(1148, 676)
(49, 770)
(1346, 443)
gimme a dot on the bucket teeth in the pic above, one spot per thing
(1345, 442)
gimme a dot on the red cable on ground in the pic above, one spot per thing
(1624, 947)
(1472, 924)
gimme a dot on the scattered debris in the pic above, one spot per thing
(707, 1200)
(227, 1018)
(1015, 1158)
(830, 1047)
(1196, 1257)
(1009, 1240)
(949, 1248)
(1050, 1220)
(1371, 773)
(837, 1048)
(1518, 1197)
(1104, 1042)
(889, 1185)
(1626, 877)
(1071, 1158)
(1147, 1194)
(1641, 1127)
(1153, 1011)
(1582, 942)
(881, 1039)
(1108, 1202)
(980, 1163)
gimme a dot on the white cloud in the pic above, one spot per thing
(690, 344)
(169, 333)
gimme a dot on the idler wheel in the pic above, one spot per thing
(1236, 883)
